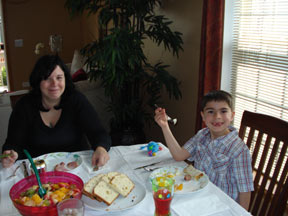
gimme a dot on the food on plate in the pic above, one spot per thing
(178, 187)
(89, 186)
(107, 187)
(108, 177)
(122, 184)
(62, 166)
(56, 192)
(170, 173)
(105, 193)
(187, 177)
(197, 177)
(72, 165)
(192, 173)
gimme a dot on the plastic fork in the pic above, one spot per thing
(169, 119)
(13, 174)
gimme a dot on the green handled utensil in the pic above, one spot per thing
(5, 155)
(41, 190)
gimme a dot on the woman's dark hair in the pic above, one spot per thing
(217, 96)
(41, 71)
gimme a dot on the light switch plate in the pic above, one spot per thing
(25, 84)
(18, 43)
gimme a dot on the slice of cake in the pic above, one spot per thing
(105, 193)
(89, 186)
(122, 184)
(108, 176)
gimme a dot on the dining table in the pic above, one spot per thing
(209, 200)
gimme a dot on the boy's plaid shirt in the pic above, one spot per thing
(226, 160)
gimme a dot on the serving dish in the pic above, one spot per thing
(53, 177)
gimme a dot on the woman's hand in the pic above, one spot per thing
(161, 117)
(100, 157)
(10, 160)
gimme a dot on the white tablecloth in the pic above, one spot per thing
(209, 201)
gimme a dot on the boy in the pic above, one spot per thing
(216, 150)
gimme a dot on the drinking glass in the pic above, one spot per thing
(163, 190)
(71, 207)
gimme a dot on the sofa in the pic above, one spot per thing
(91, 89)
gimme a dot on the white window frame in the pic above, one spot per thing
(227, 46)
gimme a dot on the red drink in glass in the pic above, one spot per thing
(163, 189)
(162, 206)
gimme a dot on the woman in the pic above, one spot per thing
(54, 117)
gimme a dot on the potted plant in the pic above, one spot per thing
(117, 58)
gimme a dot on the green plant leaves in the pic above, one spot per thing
(118, 59)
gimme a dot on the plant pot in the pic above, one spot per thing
(127, 137)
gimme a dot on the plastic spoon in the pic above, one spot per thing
(41, 190)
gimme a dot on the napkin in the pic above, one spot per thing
(196, 205)
(116, 163)
(6, 205)
(140, 158)
(137, 148)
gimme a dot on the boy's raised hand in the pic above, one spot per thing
(161, 117)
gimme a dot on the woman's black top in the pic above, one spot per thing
(78, 119)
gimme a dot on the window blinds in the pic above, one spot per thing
(259, 79)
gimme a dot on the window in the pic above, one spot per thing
(255, 58)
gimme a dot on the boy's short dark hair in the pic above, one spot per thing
(217, 96)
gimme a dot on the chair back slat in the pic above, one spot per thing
(281, 203)
(277, 185)
(256, 147)
(267, 140)
(267, 180)
(263, 159)
(250, 137)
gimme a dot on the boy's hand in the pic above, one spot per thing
(10, 160)
(161, 117)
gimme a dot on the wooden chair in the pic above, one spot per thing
(267, 139)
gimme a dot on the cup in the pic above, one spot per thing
(163, 190)
(40, 166)
(71, 207)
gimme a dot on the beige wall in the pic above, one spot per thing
(33, 21)
(187, 16)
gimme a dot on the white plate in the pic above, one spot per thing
(191, 186)
(52, 159)
(121, 203)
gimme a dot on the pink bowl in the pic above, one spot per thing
(53, 177)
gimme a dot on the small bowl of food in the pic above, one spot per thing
(58, 185)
